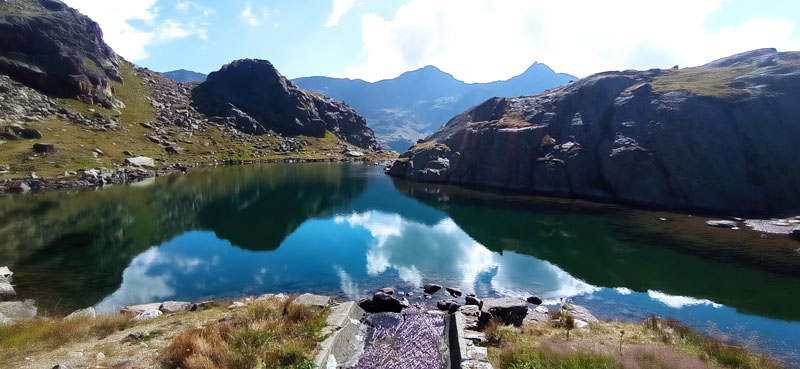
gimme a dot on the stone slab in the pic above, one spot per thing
(308, 299)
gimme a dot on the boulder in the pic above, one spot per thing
(387, 290)
(135, 310)
(43, 148)
(581, 313)
(453, 291)
(172, 307)
(6, 291)
(6, 274)
(83, 313)
(140, 161)
(507, 310)
(534, 300)
(431, 288)
(447, 305)
(308, 299)
(722, 223)
(795, 235)
(385, 303)
(382, 303)
(30, 133)
(16, 310)
(539, 314)
(148, 314)
(472, 300)
(20, 187)
(4, 320)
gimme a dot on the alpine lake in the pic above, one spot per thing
(346, 230)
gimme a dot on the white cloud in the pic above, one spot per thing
(340, 8)
(247, 15)
(678, 302)
(485, 40)
(114, 17)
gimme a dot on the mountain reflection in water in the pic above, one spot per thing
(347, 230)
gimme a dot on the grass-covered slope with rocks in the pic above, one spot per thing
(720, 138)
(61, 132)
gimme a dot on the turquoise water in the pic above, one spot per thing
(347, 230)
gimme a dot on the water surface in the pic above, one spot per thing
(347, 230)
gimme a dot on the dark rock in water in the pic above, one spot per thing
(382, 303)
(257, 98)
(43, 147)
(534, 300)
(472, 300)
(431, 288)
(447, 305)
(387, 290)
(57, 50)
(585, 139)
(453, 291)
(795, 235)
(507, 310)
(365, 303)
(30, 133)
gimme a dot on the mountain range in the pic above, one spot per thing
(415, 104)
(183, 75)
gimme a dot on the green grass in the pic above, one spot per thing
(703, 81)
(545, 360)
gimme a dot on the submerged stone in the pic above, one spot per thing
(414, 340)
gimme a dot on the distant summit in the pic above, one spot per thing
(183, 75)
(404, 109)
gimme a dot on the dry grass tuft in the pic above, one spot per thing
(45, 334)
(265, 334)
(656, 344)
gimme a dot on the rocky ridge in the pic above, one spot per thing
(57, 50)
(132, 112)
(717, 138)
(254, 97)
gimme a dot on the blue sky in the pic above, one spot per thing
(476, 40)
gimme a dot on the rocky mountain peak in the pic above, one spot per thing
(252, 95)
(57, 50)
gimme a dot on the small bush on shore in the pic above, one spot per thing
(264, 334)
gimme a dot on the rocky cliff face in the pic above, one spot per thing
(254, 97)
(58, 51)
(720, 137)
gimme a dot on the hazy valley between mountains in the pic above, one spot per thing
(635, 219)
